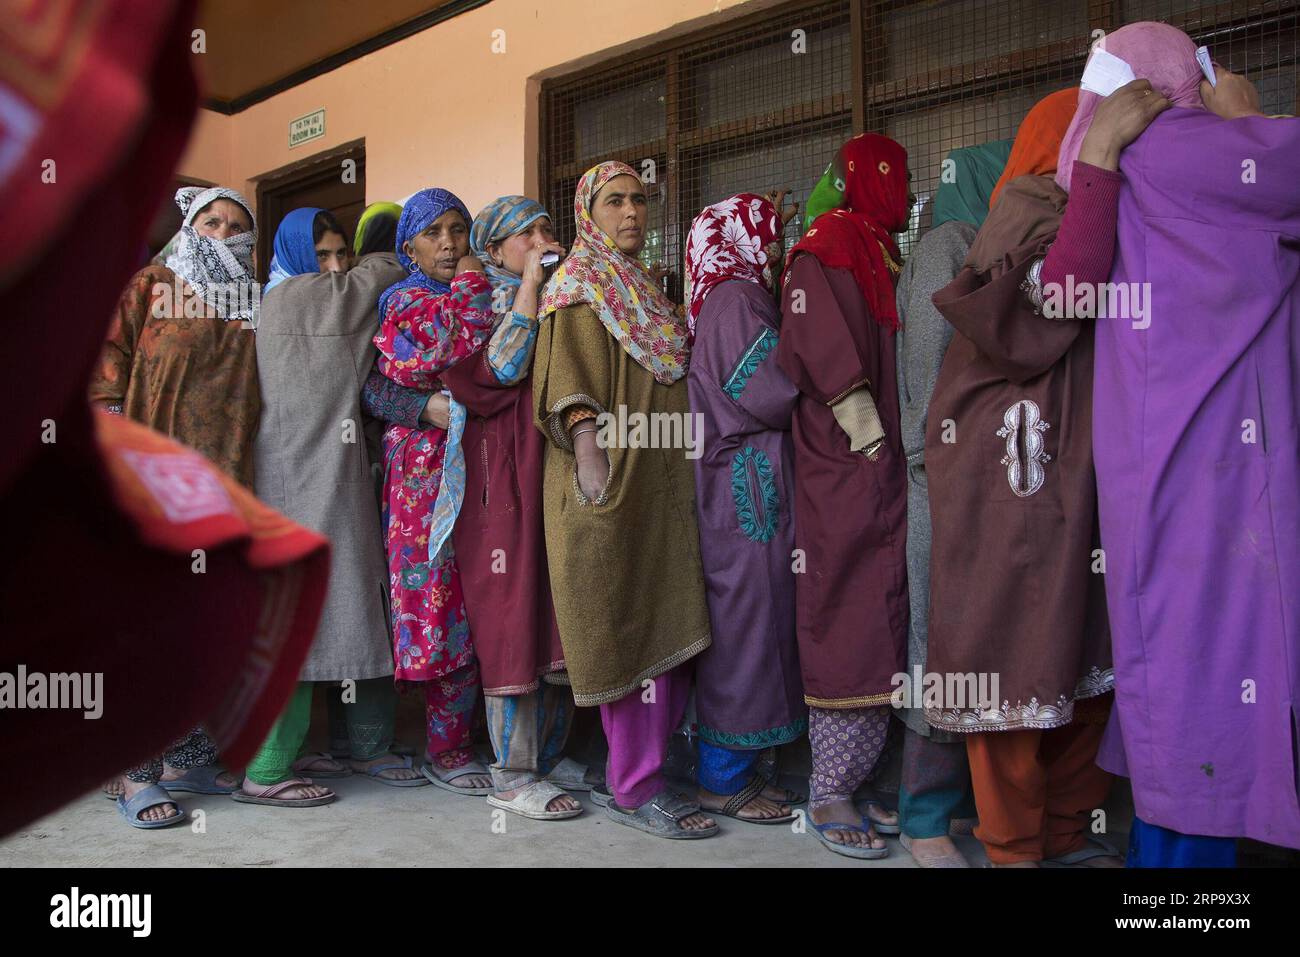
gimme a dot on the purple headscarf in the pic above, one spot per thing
(1157, 52)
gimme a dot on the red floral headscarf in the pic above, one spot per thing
(857, 235)
(729, 240)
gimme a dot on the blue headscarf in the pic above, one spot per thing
(418, 212)
(498, 221)
(294, 248)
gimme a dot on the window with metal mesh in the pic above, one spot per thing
(765, 100)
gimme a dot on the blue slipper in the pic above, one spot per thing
(200, 780)
(848, 850)
(151, 796)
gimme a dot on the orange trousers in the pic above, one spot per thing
(1035, 791)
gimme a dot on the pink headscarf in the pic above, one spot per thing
(1157, 52)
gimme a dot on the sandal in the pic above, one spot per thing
(374, 772)
(303, 766)
(200, 780)
(862, 852)
(942, 861)
(1090, 855)
(441, 777)
(768, 766)
(601, 795)
(880, 826)
(742, 798)
(266, 794)
(570, 775)
(531, 802)
(662, 816)
(152, 796)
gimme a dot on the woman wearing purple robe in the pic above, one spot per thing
(1195, 428)
(749, 695)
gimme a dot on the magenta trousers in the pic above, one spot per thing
(638, 730)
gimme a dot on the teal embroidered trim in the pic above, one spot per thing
(758, 350)
(754, 489)
(755, 739)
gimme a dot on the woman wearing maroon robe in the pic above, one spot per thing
(837, 346)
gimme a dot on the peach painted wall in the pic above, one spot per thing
(440, 108)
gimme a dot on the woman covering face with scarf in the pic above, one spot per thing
(621, 536)
(837, 347)
(439, 315)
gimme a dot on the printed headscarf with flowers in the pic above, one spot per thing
(619, 289)
(219, 270)
(857, 235)
(729, 240)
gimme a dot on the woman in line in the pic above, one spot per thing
(621, 537)
(748, 694)
(837, 347)
(500, 546)
(935, 794)
(1196, 424)
(1015, 592)
(377, 229)
(314, 349)
(441, 314)
(179, 357)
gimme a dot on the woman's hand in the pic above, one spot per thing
(468, 264)
(437, 411)
(534, 271)
(593, 461)
(1119, 120)
(777, 198)
(1233, 96)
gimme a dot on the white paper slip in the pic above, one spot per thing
(1105, 73)
(1203, 58)
(550, 259)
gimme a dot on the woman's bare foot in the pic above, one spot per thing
(697, 822)
(758, 808)
(879, 814)
(159, 812)
(114, 787)
(390, 774)
(292, 793)
(845, 812)
(562, 802)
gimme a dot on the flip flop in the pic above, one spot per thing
(532, 800)
(200, 780)
(662, 816)
(151, 796)
(1080, 858)
(441, 777)
(601, 795)
(267, 795)
(743, 797)
(570, 775)
(866, 853)
(374, 773)
(880, 827)
(944, 861)
(300, 766)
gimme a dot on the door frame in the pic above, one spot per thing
(292, 177)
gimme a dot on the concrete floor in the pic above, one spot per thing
(374, 825)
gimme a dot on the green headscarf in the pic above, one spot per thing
(374, 209)
(828, 194)
(966, 184)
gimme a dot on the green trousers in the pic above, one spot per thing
(369, 726)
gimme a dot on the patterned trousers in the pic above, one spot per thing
(846, 744)
(195, 750)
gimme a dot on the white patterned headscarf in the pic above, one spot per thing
(219, 270)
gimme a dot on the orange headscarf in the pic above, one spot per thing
(1039, 140)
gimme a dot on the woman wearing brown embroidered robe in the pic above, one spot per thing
(1017, 592)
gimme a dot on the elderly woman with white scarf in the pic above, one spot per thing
(180, 357)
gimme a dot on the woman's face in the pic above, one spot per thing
(332, 253)
(221, 219)
(620, 210)
(437, 250)
(512, 252)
